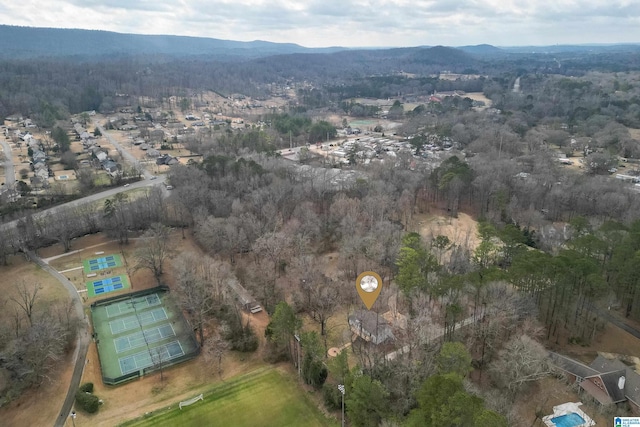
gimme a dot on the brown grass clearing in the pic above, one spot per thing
(462, 231)
(634, 133)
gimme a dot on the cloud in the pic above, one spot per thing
(347, 22)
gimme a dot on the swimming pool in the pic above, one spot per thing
(568, 420)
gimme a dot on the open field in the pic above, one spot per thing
(265, 397)
(47, 398)
(463, 230)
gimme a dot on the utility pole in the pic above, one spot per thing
(73, 418)
(297, 337)
(341, 388)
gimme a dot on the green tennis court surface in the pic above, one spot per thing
(140, 339)
(102, 263)
(145, 359)
(139, 332)
(126, 307)
(139, 319)
(99, 287)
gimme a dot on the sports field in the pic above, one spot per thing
(100, 287)
(139, 332)
(102, 263)
(265, 398)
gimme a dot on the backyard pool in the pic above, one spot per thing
(568, 415)
(568, 420)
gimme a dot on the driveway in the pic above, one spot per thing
(9, 170)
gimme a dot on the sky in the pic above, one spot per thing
(349, 23)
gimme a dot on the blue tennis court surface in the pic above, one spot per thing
(107, 285)
(110, 284)
(96, 264)
(102, 263)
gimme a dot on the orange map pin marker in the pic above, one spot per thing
(369, 285)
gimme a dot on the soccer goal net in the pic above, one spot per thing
(191, 401)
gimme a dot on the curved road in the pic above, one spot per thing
(83, 338)
(91, 198)
(82, 341)
(9, 170)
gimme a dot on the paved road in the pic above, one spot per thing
(82, 342)
(605, 314)
(92, 198)
(9, 170)
(125, 154)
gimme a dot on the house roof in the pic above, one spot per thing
(632, 386)
(602, 364)
(371, 323)
(611, 381)
(609, 371)
(597, 393)
(572, 366)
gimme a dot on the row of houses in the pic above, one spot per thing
(90, 144)
(39, 166)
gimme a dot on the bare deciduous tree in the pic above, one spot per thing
(200, 281)
(155, 249)
(26, 298)
(521, 361)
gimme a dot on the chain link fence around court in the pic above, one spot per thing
(139, 333)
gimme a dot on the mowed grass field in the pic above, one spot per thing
(266, 397)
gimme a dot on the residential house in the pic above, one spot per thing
(111, 167)
(128, 127)
(370, 326)
(38, 156)
(101, 156)
(152, 152)
(166, 159)
(609, 381)
(42, 173)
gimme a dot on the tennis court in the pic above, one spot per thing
(143, 318)
(138, 332)
(102, 263)
(131, 305)
(145, 359)
(142, 338)
(110, 284)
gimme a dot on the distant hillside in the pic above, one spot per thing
(441, 55)
(482, 49)
(30, 42)
(584, 49)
